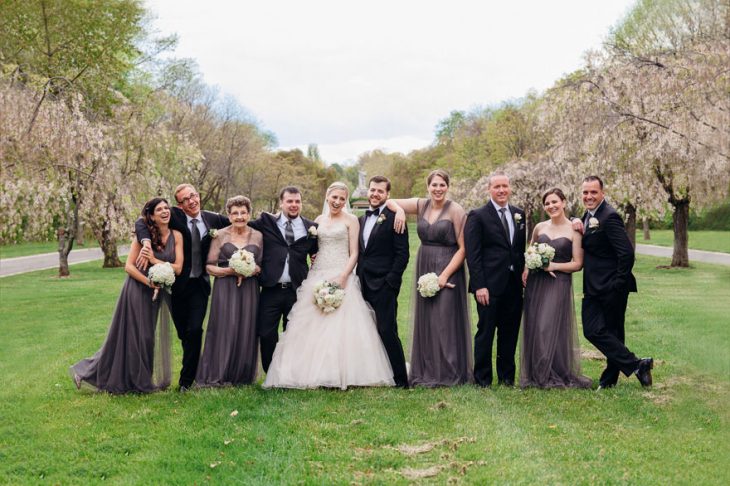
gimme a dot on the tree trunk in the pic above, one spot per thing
(647, 234)
(65, 245)
(109, 247)
(631, 223)
(680, 255)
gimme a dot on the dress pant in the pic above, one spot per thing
(188, 312)
(274, 305)
(384, 302)
(503, 315)
(603, 325)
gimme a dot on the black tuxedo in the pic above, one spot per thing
(380, 267)
(607, 280)
(189, 300)
(496, 264)
(276, 301)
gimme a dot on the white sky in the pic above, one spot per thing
(353, 76)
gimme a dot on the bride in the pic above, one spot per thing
(338, 349)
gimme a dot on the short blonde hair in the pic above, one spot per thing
(182, 186)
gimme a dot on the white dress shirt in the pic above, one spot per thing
(202, 229)
(299, 231)
(370, 224)
(510, 219)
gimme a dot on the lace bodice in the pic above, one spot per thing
(334, 247)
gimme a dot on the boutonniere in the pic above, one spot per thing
(593, 223)
(518, 218)
(380, 219)
(213, 233)
(312, 231)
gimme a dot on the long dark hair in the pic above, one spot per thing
(147, 211)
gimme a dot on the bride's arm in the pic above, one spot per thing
(353, 232)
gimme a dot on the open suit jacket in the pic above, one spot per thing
(179, 222)
(276, 251)
(608, 254)
(385, 258)
(489, 252)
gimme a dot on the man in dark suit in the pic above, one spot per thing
(382, 259)
(190, 292)
(495, 244)
(607, 281)
(288, 239)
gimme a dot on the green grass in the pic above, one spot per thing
(698, 240)
(36, 248)
(677, 432)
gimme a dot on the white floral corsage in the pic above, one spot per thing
(518, 218)
(213, 233)
(380, 219)
(312, 231)
(593, 223)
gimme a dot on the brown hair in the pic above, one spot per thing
(555, 190)
(238, 201)
(290, 190)
(147, 212)
(379, 179)
(592, 178)
(438, 172)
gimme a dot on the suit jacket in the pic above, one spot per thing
(179, 222)
(608, 255)
(489, 254)
(276, 251)
(385, 258)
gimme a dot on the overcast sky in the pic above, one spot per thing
(353, 76)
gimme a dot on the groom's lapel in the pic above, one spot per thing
(361, 232)
(496, 219)
(376, 228)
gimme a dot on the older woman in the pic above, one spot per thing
(230, 353)
(129, 360)
(441, 352)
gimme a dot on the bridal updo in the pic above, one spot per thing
(337, 185)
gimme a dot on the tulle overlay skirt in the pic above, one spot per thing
(333, 350)
(550, 355)
(441, 352)
(230, 355)
(135, 356)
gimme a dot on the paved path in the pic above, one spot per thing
(14, 266)
(694, 255)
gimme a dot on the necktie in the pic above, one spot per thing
(195, 260)
(288, 232)
(505, 225)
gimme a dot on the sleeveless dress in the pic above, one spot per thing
(550, 355)
(333, 350)
(230, 355)
(135, 356)
(441, 352)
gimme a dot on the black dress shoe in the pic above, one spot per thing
(184, 388)
(402, 385)
(507, 383)
(643, 373)
(607, 384)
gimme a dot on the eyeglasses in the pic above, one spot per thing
(192, 195)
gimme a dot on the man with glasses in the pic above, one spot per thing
(190, 292)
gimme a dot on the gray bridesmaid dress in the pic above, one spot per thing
(550, 354)
(230, 355)
(135, 356)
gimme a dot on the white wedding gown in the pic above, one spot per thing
(333, 350)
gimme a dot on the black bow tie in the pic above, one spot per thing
(370, 212)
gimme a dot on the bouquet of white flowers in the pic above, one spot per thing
(243, 263)
(163, 276)
(428, 285)
(328, 296)
(539, 256)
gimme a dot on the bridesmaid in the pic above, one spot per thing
(441, 351)
(130, 360)
(230, 354)
(550, 354)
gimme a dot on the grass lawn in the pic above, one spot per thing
(698, 240)
(36, 248)
(676, 432)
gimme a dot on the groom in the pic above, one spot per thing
(607, 280)
(381, 262)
